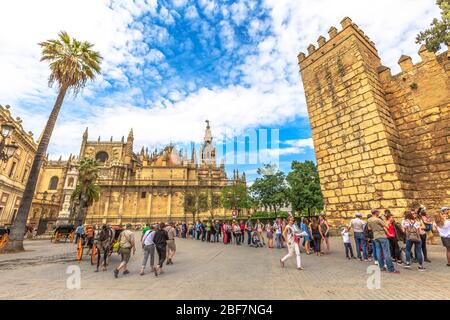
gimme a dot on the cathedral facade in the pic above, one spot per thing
(135, 188)
(147, 187)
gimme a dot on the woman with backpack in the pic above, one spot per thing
(412, 229)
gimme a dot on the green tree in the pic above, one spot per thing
(87, 191)
(270, 190)
(72, 64)
(235, 197)
(304, 187)
(214, 202)
(196, 201)
(439, 32)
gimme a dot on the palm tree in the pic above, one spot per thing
(87, 191)
(72, 64)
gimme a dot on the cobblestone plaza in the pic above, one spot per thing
(217, 271)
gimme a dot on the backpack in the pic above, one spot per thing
(367, 233)
(412, 233)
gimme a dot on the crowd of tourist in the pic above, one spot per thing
(378, 237)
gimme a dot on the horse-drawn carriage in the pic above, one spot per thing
(109, 243)
(4, 237)
(66, 231)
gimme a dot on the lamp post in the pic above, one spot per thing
(7, 150)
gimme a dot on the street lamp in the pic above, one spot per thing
(7, 150)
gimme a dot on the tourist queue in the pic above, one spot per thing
(379, 237)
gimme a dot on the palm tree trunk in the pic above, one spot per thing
(17, 232)
(82, 209)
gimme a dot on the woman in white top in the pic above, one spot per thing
(292, 241)
(442, 225)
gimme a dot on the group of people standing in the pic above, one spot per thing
(384, 239)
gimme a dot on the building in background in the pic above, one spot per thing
(14, 172)
(150, 187)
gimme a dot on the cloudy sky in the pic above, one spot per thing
(170, 65)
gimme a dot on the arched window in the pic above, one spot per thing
(53, 183)
(70, 182)
(102, 156)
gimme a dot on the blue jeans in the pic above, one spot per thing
(383, 253)
(249, 235)
(278, 240)
(360, 241)
(417, 251)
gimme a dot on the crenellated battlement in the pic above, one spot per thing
(349, 28)
(381, 140)
(407, 66)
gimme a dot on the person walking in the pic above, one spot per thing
(292, 241)
(383, 254)
(357, 224)
(171, 247)
(412, 229)
(316, 235)
(160, 239)
(442, 225)
(126, 247)
(145, 229)
(149, 250)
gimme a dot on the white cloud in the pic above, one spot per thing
(269, 95)
(301, 143)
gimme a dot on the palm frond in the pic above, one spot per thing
(72, 62)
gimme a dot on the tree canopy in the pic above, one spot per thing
(304, 187)
(270, 190)
(439, 32)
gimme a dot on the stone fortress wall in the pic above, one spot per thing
(381, 140)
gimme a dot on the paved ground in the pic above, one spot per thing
(216, 271)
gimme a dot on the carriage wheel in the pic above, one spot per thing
(93, 254)
(80, 250)
(57, 236)
(72, 236)
(4, 241)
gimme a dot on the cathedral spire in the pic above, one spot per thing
(208, 135)
(194, 154)
(86, 134)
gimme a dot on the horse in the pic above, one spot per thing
(104, 244)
